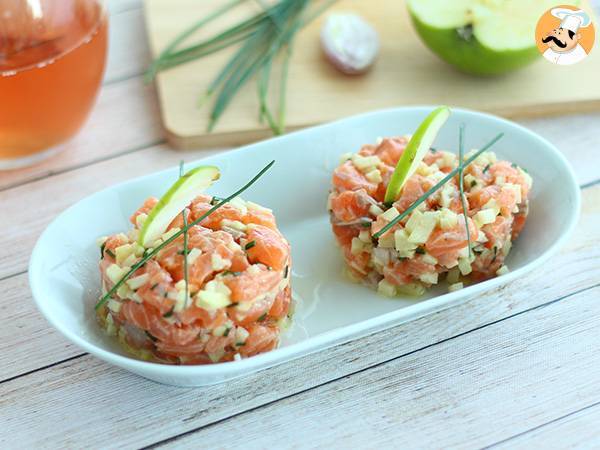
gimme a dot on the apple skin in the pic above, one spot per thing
(417, 147)
(471, 56)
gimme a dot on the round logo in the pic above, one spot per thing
(565, 34)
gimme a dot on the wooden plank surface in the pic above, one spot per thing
(406, 73)
(577, 429)
(515, 368)
(494, 386)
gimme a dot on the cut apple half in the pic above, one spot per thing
(415, 151)
(183, 191)
(482, 37)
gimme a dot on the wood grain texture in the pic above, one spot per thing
(27, 341)
(85, 399)
(573, 430)
(468, 392)
(406, 73)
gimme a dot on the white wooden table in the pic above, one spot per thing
(517, 367)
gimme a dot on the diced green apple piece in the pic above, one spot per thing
(183, 191)
(415, 151)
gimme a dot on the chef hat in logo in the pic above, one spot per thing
(571, 20)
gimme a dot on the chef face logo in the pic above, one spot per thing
(561, 40)
(565, 35)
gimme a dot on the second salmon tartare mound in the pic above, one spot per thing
(238, 294)
(430, 244)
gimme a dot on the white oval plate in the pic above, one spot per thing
(63, 268)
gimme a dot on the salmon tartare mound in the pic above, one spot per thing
(430, 244)
(238, 294)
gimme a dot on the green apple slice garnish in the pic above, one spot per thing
(482, 37)
(187, 187)
(415, 151)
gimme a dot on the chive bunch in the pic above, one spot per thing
(261, 38)
(461, 166)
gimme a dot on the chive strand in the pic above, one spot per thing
(443, 181)
(283, 90)
(158, 248)
(185, 244)
(461, 151)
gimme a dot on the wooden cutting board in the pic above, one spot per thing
(406, 73)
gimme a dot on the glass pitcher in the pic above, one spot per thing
(52, 58)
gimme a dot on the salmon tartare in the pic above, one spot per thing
(237, 298)
(430, 244)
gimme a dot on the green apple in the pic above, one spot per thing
(420, 142)
(185, 189)
(481, 37)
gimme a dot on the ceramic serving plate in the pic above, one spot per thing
(331, 310)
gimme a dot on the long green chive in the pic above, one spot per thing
(156, 65)
(282, 89)
(264, 112)
(461, 151)
(443, 181)
(158, 248)
(185, 243)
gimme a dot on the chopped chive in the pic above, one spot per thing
(102, 249)
(226, 332)
(420, 250)
(443, 181)
(232, 305)
(169, 313)
(486, 168)
(154, 286)
(366, 224)
(495, 254)
(215, 200)
(514, 166)
(139, 264)
(154, 339)
(262, 317)
(229, 272)
(461, 151)
(433, 150)
(240, 344)
(286, 271)
(249, 245)
(109, 252)
(473, 183)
